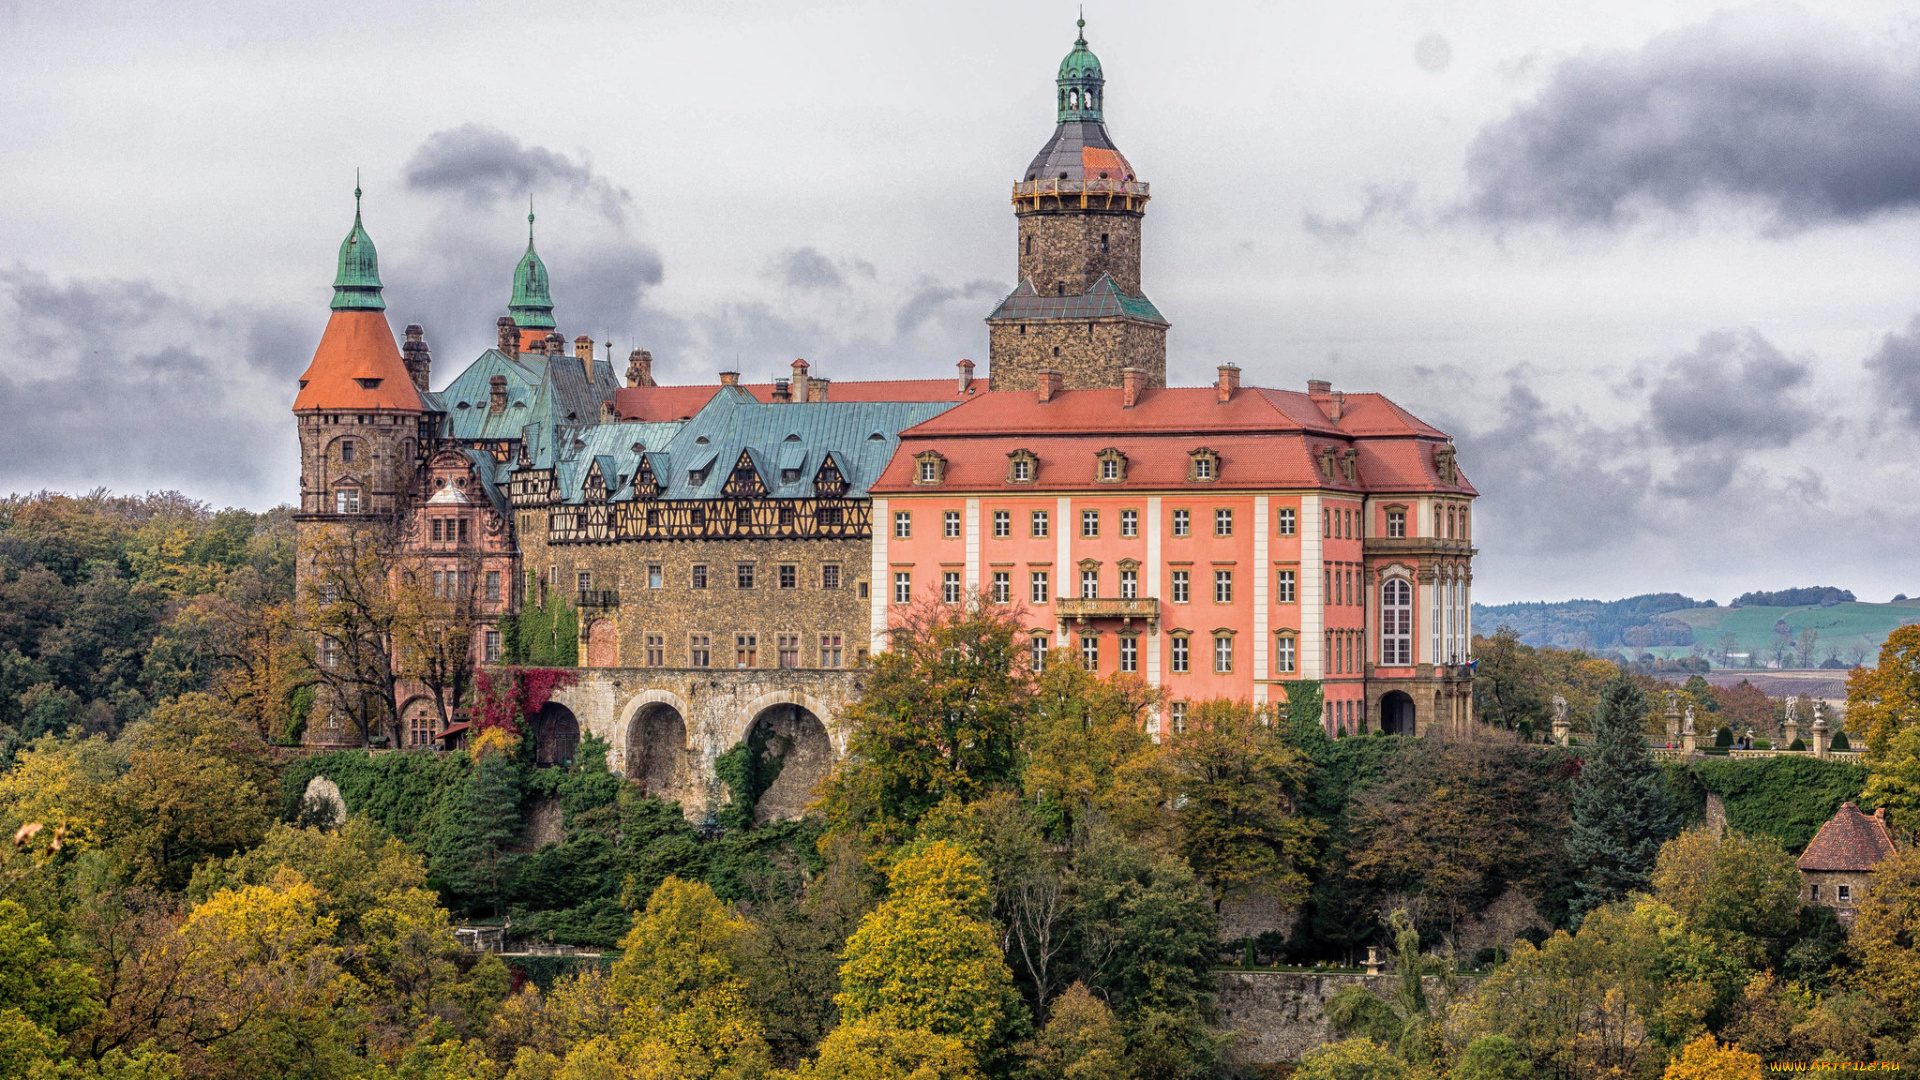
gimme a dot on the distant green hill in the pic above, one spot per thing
(1669, 624)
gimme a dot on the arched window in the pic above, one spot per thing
(1396, 623)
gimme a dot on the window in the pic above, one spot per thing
(1039, 523)
(1396, 524)
(1223, 522)
(789, 575)
(1177, 715)
(437, 523)
(1103, 242)
(1181, 523)
(746, 650)
(1181, 585)
(1177, 660)
(863, 590)
(1396, 623)
(347, 450)
(1089, 584)
(743, 517)
(830, 576)
(1090, 652)
(789, 649)
(1223, 586)
(346, 501)
(1039, 590)
(950, 524)
(929, 471)
(493, 586)
(656, 650)
(1129, 653)
(1129, 584)
(1002, 524)
(902, 524)
(830, 650)
(1202, 467)
(1129, 523)
(491, 647)
(743, 575)
(329, 653)
(1022, 470)
(1223, 653)
(1816, 894)
(1002, 587)
(655, 579)
(950, 586)
(699, 575)
(1089, 523)
(1109, 469)
(1039, 644)
(1284, 521)
(1283, 588)
(583, 580)
(701, 651)
(1846, 892)
(463, 530)
(902, 587)
(1283, 655)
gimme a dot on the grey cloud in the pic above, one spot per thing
(1382, 201)
(1764, 106)
(484, 165)
(930, 300)
(1735, 390)
(1895, 368)
(805, 268)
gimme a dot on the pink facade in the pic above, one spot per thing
(1216, 541)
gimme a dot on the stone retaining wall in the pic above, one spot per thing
(1280, 1015)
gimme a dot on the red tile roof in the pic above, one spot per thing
(1265, 438)
(656, 403)
(1852, 841)
(357, 366)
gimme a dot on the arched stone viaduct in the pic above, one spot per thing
(667, 727)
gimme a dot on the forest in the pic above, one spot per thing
(1009, 875)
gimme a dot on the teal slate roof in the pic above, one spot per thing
(569, 450)
(860, 436)
(1103, 301)
(541, 391)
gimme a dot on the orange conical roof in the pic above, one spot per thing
(357, 366)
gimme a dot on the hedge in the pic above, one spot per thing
(1787, 798)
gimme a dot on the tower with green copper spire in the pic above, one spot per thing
(1078, 308)
(357, 285)
(532, 303)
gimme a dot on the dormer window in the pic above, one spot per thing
(1443, 464)
(368, 384)
(1203, 466)
(1113, 466)
(1022, 467)
(929, 467)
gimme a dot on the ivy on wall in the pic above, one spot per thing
(542, 635)
(1787, 798)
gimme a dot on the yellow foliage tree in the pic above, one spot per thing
(1351, 1059)
(1082, 733)
(927, 958)
(1082, 1041)
(1883, 703)
(1885, 928)
(1706, 1059)
(869, 1051)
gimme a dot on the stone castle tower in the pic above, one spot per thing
(1078, 309)
(359, 407)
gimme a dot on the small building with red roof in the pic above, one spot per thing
(1836, 869)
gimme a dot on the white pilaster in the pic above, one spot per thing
(1065, 574)
(881, 583)
(973, 545)
(1262, 582)
(1313, 598)
(1153, 568)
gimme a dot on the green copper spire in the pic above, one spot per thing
(357, 286)
(1080, 82)
(532, 304)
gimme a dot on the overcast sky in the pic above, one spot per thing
(1655, 266)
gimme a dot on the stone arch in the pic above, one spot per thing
(603, 643)
(793, 738)
(419, 723)
(807, 701)
(556, 734)
(1397, 713)
(652, 740)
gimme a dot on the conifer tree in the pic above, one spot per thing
(1621, 813)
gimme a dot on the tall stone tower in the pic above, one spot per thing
(1078, 309)
(359, 408)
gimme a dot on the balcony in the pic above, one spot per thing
(1107, 607)
(597, 598)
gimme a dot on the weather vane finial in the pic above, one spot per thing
(529, 218)
(356, 191)
(1082, 24)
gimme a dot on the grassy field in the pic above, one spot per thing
(1842, 626)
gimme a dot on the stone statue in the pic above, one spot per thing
(1559, 709)
(1689, 721)
(1793, 710)
(1816, 709)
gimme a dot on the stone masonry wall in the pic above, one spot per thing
(1063, 248)
(1088, 354)
(1280, 1015)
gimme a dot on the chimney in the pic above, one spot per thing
(782, 391)
(1229, 381)
(1049, 386)
(538, 346)
(800, 381)
(583, 347)
(497, 400)
(556, 345)
(414, 353)
(1132, 379)
(817, 389)
(508, 339)
(729, 378)
(966, 375)
(640, 368)
(1321, 391)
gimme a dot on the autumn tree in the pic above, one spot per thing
(437, 626)
(1237, 785)
(1085, 738)
(1508, 680)
(1621, 813)
(1741, 891)
(350, 613)
(1883, 702)
(1705, 1058)
(1081, 1041)
(1885, 927)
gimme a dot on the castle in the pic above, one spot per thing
(1215, 541)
